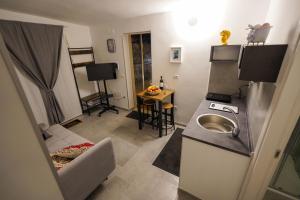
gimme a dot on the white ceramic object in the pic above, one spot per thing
(258, 33)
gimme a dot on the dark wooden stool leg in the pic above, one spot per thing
(160, 118)
(156, 115)
(166, 121)
(172, 118)
(139, 102)
(152, 116)
(143, 115)
(147, 114)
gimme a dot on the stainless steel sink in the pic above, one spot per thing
(216, 123)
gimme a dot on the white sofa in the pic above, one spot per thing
(83, 174)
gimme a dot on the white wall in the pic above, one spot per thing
(25, 169)
(65, 89)
(194, 71)
(284, 17)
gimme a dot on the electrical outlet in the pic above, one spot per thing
(176, 76)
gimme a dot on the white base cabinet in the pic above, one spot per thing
(211, 173)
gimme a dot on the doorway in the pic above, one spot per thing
(285, 184)
(141, 61)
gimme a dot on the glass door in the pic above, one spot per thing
(141, 60)
(285, 184)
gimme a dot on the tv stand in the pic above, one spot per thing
(106, 105)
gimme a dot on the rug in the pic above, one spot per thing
(169, 157)
(133, 115)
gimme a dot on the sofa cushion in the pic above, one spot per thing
(43, 128)
(62, 137)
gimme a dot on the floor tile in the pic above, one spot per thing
(135, 178)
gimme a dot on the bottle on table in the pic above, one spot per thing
(161, 83)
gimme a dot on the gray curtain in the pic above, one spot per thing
(35, 49)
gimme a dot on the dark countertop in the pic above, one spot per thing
(240, 145)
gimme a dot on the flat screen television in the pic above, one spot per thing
(101, 71)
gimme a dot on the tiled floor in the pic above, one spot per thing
(135, 178)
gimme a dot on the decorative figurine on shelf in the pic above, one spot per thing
(225, 34)
(258, 33)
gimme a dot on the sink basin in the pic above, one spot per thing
(216, 123)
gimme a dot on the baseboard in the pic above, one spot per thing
(180, 124)
(183, 191)
(68, 121)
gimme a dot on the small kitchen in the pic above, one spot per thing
(220, 138)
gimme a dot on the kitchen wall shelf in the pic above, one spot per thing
(225, 53)
(261, 63)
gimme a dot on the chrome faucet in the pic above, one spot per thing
(235, 130)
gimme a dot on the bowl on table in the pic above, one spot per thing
(153, 90)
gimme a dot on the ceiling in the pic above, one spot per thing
(89, 11)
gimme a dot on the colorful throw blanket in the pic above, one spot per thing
(62, 157)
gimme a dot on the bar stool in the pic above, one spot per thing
(167, 107)
(149, 105)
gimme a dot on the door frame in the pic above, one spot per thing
(127, 53)
(128, 70)
(280, 122)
